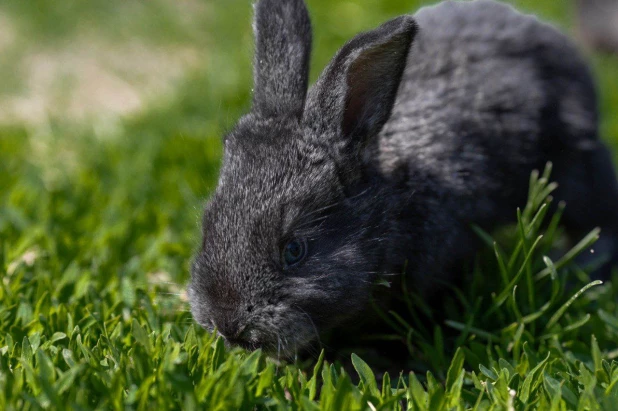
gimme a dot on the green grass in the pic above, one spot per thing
(99, 217)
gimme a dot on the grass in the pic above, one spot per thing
(99, 218)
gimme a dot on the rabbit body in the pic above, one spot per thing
(489, 94)
(407, 138)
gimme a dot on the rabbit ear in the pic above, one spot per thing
(282, 47)
(354, 95)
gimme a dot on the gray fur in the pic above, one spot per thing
(281, 68)
(405, 140)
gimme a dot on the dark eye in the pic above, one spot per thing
(294, 251)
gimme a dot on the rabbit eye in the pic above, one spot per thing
(294, 252)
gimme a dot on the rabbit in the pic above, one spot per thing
(412, 133)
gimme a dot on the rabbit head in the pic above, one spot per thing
(285, 252)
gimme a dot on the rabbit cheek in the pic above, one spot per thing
(199, 308)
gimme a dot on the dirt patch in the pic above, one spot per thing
(90, 80)
(7, 33)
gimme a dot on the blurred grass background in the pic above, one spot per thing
(111, 118)
(111, 115)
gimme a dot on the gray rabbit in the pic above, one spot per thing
(413, 132)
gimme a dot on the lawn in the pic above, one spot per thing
(111, 117)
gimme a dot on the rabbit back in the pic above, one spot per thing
(488, 94)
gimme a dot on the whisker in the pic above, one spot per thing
(319, 210)
(163, 282)
(315, 329)
(308, 223)
(360, 194)
(278, 347)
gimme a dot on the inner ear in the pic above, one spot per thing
(362, 83)
(354, 96)
(372, 82)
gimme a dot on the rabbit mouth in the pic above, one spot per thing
(243, 343)
(281, 341)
